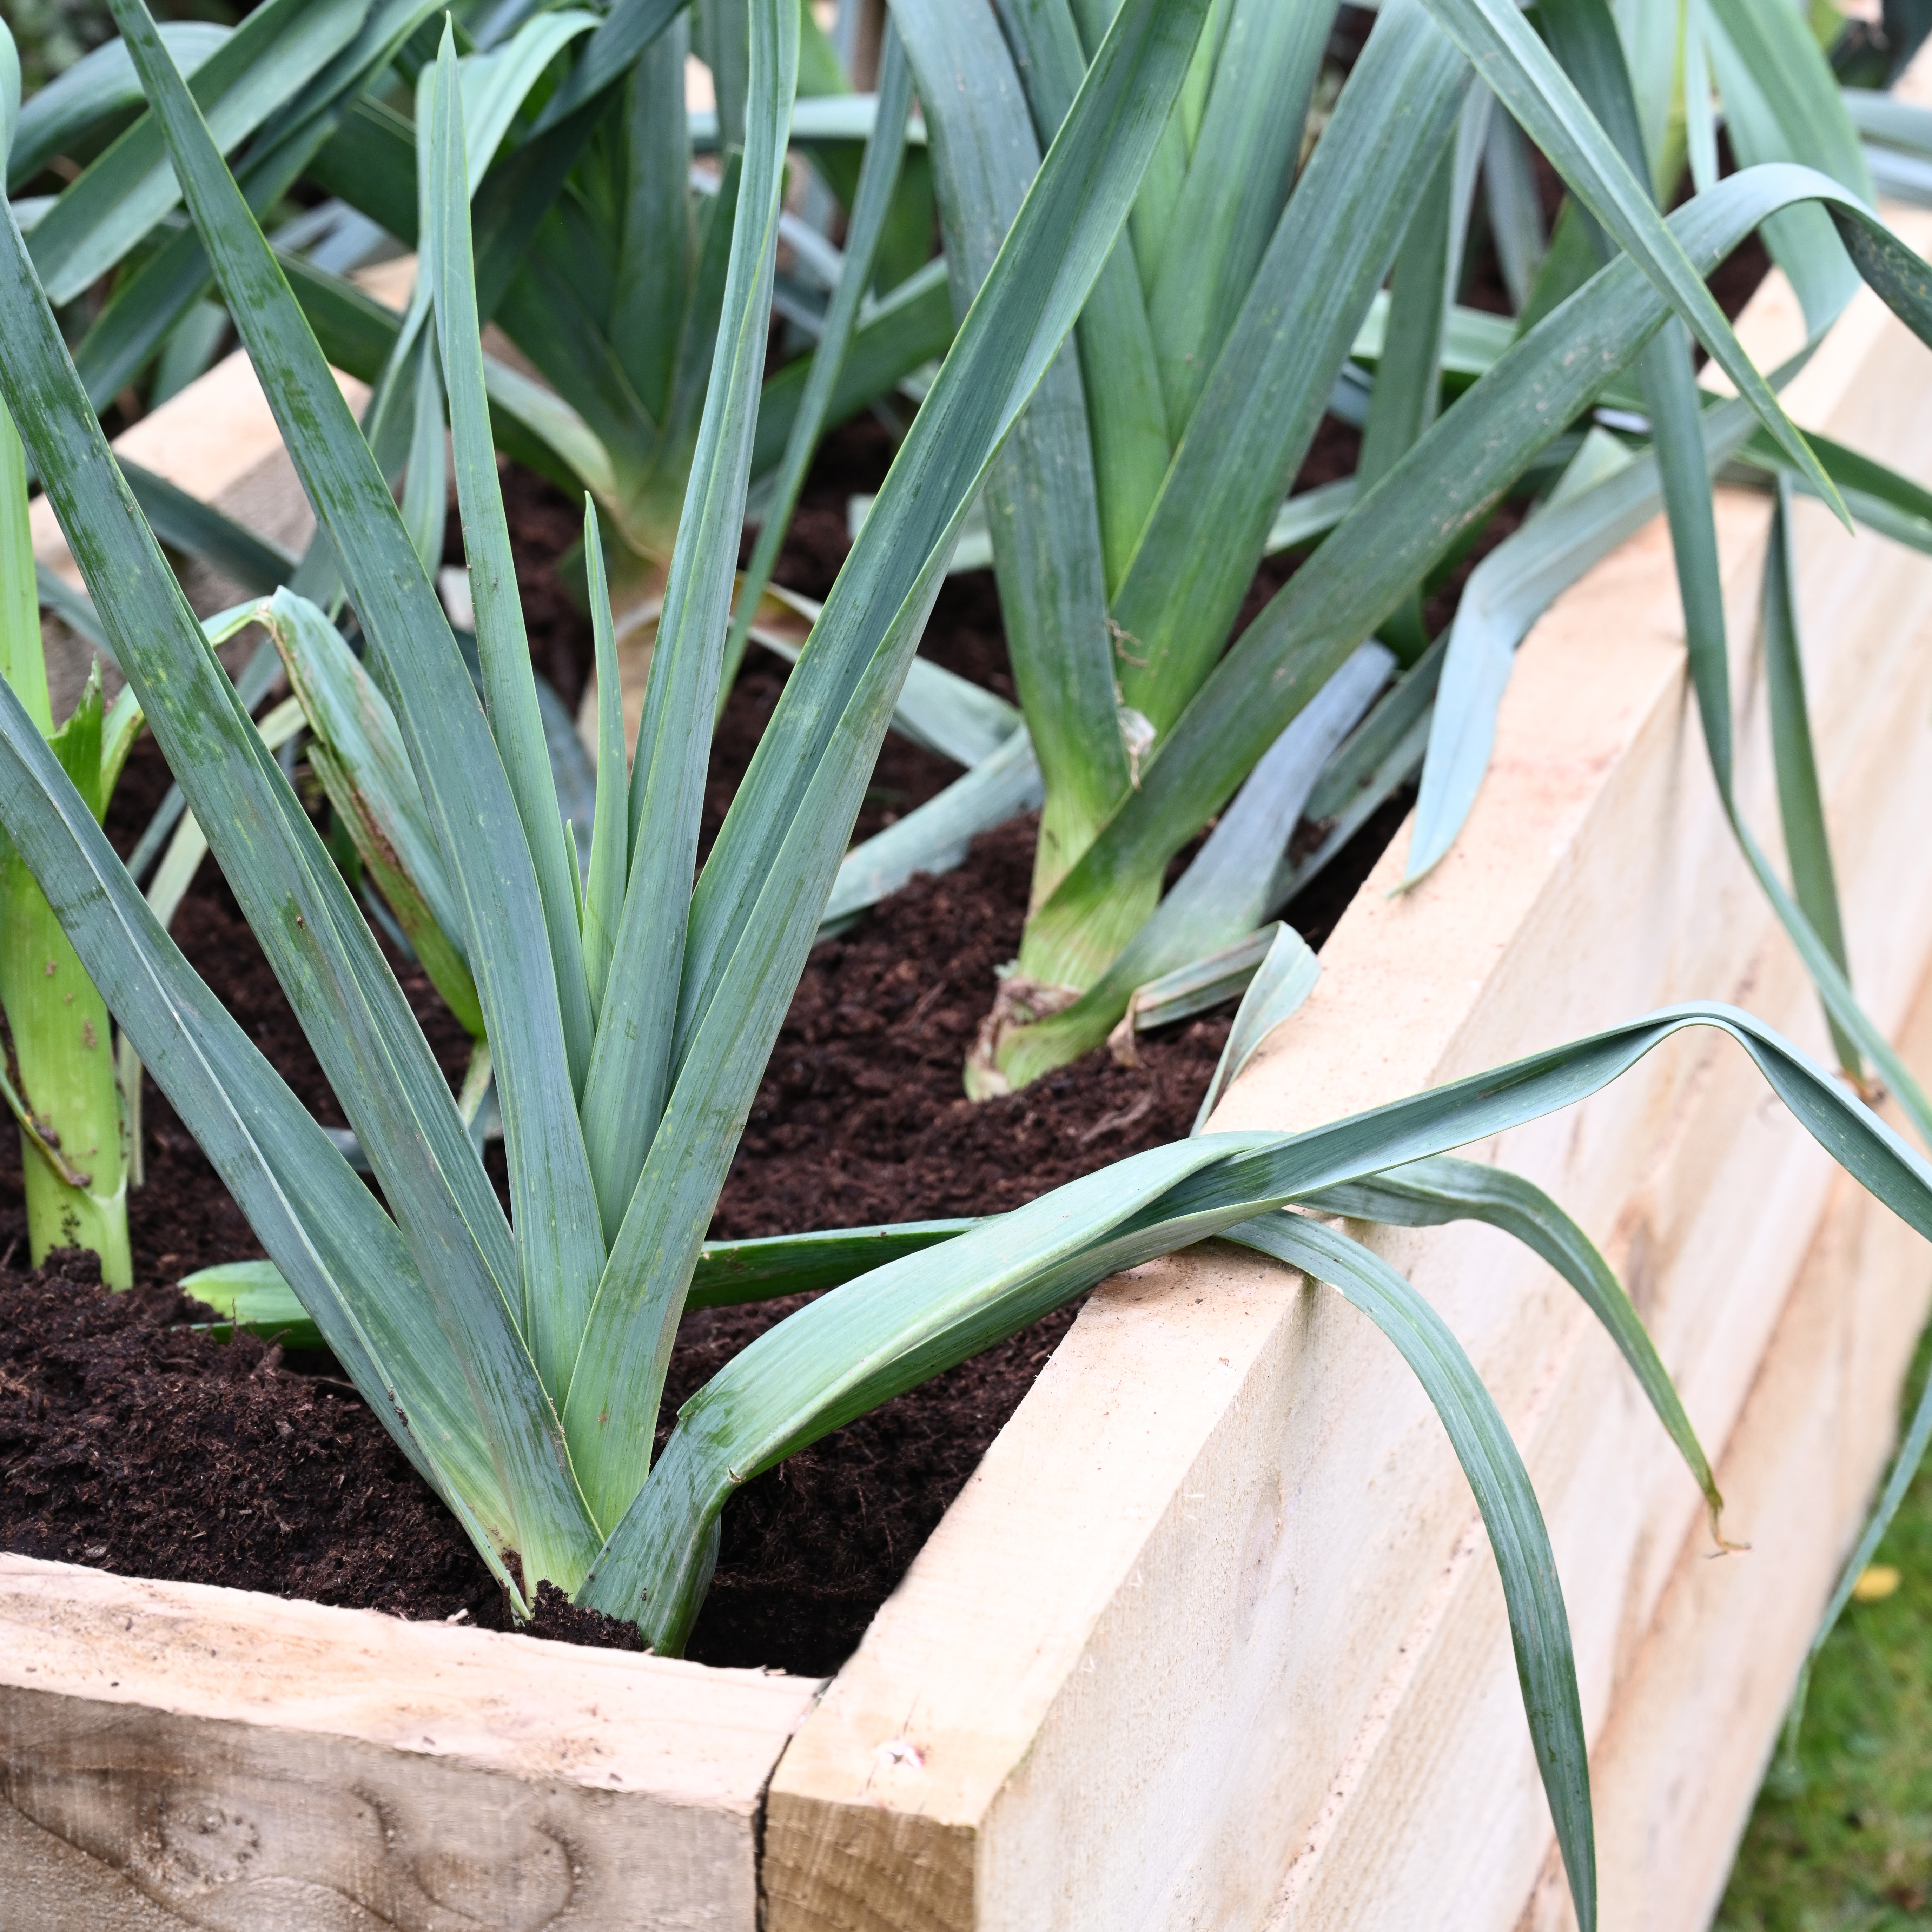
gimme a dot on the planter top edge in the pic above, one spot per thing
(682, 1733)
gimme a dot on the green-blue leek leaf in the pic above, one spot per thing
(1430, 1193)
(557, 1242)
(630, 1062)
(1040, 495)
(878, 178)
(1395, 533)
(1539, 1625)
(503, 647)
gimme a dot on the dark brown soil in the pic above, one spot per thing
(130, 1443)
(861, 1118)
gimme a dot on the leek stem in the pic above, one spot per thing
(59, 1081)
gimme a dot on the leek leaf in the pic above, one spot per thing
(878, 178)
(509, 683)
(1243, 161)
(1262, 400)
(1430, 1193)
(610, 836)
(648, 304)
(358, 752)
(1224, 893)
(352, 1271)
(99, 85)
(1807, 848)
(1118, 371)
(897, 1326)
(1539, 1626)
(148, 302)
(1040, 495)
(631, 1063)
(1282, 984)
(1505, 595)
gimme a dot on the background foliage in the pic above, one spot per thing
(53, 34)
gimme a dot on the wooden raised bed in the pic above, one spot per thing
(1213, 1637)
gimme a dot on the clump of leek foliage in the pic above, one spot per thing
(1123, 543)
(517, 1359)
(602, 246)
(602, 255)
(128, 276)
(601, 249)
(1249, 294)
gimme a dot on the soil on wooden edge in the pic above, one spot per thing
(133, 1443)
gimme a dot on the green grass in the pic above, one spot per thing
(1845, 1844)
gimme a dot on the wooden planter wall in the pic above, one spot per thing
(1213, 1637)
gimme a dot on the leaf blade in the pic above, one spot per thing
(631, 1062)
(1526, 78)
(1539, 1624)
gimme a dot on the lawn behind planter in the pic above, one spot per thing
(1845, 1843)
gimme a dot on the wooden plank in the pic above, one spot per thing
(921, 1733)
(177, 1755)
(217, 438)
(1697, 1715)
(1711, 1238)
(1187, 1652)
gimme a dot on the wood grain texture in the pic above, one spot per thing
(1212, 1638)
(173, 1755)
(1695, 1717)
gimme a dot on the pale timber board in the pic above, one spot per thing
(1717, 1211)
(1168, 1642)
(175, 1754)
(1696, 1720)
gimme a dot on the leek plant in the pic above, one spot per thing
(518, 1359)
(57, 1072)
(57, 1068)
(1245, 300)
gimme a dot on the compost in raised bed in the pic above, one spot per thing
(129, 1442)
